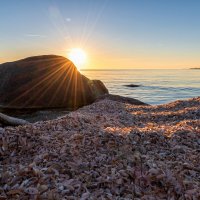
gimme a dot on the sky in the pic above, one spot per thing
(115, 34)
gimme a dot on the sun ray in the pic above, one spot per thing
(78, 57)
(45, 78)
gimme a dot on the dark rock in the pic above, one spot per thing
(99, 88)
(132, 85)
(43, 82)
(121, 99)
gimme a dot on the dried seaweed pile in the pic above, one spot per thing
(108, 150)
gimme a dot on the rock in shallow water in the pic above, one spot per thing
(132, 85)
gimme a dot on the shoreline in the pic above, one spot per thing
(34, 115)
(108, 149)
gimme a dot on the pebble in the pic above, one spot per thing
(2, 130)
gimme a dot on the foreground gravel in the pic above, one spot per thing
(108, 150)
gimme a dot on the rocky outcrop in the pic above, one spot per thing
(43, 82)
(121, 99)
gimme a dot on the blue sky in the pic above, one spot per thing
(114, 33)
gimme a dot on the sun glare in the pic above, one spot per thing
(78, 57)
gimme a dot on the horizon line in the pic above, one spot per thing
(117, 69)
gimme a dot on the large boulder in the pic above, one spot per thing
(43, 82)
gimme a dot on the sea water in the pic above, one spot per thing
(157, 86)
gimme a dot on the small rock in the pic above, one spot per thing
(179, 149)
(1, 130)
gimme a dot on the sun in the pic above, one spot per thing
(78, 57)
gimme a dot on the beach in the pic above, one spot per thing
(106, 150)
(100, 100)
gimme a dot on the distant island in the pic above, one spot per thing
(195, 68)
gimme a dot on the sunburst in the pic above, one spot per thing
(78, 57)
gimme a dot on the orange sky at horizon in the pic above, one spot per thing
(114, 60)
(101, 56)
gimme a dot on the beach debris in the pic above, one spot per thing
(107, 150)
(11, 121)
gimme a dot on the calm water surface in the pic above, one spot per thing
(157, 86)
